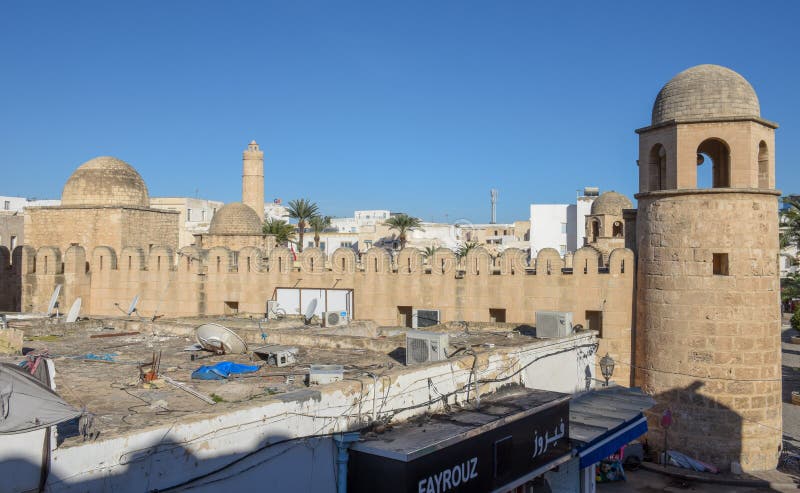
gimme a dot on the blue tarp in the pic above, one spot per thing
(610, 442)
(222, 370)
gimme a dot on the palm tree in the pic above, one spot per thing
(302, 210)
(790, 222)
(429, 251)
(465, 248)
(318, 224)
(283, 231)
(403, 223)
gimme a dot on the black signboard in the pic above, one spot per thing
(488, 460)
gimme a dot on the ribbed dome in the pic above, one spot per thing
(703, 92)
(105, 181)
(611, 203)
(235, 219)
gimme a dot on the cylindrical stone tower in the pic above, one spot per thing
(708, 318)
(253, 179)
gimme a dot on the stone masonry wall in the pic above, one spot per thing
(708, 346)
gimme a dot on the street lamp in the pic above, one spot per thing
(607, 367)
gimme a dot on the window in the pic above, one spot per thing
(594, 321)
(7, 205)
(368, 244)
(720, 261)
(562, 249)
(563, 228)
(497, 315)
(322, 245)
(188, 214)
(617, 229)
(203, 215)
(310, 244)
(347, 244)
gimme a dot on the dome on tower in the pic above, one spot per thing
(611, 203)
(235, 219)
(105, 181)
(705, 92)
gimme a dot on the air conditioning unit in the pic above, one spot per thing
(424, 318)
(334, 319)
(424, 347)
(550, 325)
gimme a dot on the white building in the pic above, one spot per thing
(275, 210)
(561, 226)
(195, 215)
(17, 204)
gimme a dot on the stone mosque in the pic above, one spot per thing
(689, 305)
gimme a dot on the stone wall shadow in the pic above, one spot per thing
(279, 462)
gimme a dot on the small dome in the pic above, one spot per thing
(105, 181)
(235, 219)
(611, 203)
(704, 92)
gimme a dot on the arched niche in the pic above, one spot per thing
(478, 262)
(250, 259)
(23, 259)
(763, 165)
(75, 260)
(48, 260)
(219, 260)
(312, 260)
(586, 261)
(131, 259)
(444, 261)
(620, 261)
(103, 258)
(549, 262)
(160, 258)
(618, 229)
(657, 167)
(410, 261)
(718, 153)
(513, 261)
(595, 230)
(343, 261)
(376, 261)
(190, 259)
(281, 260)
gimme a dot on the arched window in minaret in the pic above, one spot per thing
(763, 165)
(595, 230)
(617, 229)
(658, 168)
(714, 154)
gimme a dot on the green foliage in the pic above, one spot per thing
(216, 398)
(796, 319)
(403, 223)
(283, 231)
(302, 210)
(465, 248)
(318, 224)
(790, 222)
(429, 251)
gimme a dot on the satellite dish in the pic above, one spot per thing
(310, 309)
(53, 300)
(219, 339)
(72, 316)
(131, 309)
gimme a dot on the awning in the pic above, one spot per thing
(613, 441)
(604, 420)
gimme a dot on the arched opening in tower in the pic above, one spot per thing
(617, 229)
(763, 165)
(658, 167)
(595, 230)
(714, 155)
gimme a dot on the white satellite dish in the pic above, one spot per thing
(53, 300)
(310, 309)
(132, 308)
(72, 316)
(219, 339)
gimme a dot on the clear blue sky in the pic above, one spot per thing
(410, 106)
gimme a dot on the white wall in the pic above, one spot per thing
(16, 204)
(546, 227)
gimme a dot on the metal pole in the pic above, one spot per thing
(343, 441)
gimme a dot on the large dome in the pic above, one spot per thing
(705, 92)
(105, 181)
(235, 219)
(611, 203)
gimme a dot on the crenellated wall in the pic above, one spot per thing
(191, 282)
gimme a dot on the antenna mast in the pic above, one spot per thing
(493, 193)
